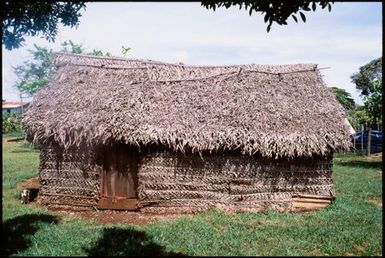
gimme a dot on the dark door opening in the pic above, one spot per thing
(119, 182)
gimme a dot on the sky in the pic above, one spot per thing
(342, 40)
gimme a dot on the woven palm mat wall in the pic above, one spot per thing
(191, 182)
(68, 177)
(170, 181)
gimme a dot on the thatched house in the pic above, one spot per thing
(134, 134)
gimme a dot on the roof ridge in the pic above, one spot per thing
(235, 73)
(114, 58)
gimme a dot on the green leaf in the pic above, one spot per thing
(295, 18)
(125, 49)
(303, 17)
(269, 27)
(329, 7)
(313, 6)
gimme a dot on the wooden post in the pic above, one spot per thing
(369, 131)
(362, 138)
(21, 103)
(354, 142)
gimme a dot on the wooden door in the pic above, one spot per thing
(119, 178)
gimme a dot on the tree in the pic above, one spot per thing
(31, 18)
(98, 52)
(371, 112)
(373, 103)
(71, 47)
(275, 11)
(357, 117)
(34, 74)
(367, 76)
(344, 98)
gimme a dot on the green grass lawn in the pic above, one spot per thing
(351, 226)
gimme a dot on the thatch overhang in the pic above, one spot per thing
(271, 110)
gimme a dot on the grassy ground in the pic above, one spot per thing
(351, 226)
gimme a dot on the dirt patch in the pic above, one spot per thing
(359, 248)
(32, 183)
(375, 155)
(111, 216)
(101, 216)
(5, 142)
(376, 201)
(121, 217)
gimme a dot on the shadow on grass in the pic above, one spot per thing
(361, 164)
(127, 242)
(17, 231)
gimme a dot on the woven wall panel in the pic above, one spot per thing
(170, 180)
(70, 207)
(207, 203)
(308, 189)
(66, 200)
(177, 172)
(190, 209)
(70, 174)
(229, 181)
(152, 175)
(152, 195)
(183, 186)
(192, 206)
(68, 177)
(85, 183)
(70, 191)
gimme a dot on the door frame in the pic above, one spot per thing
(110, 157)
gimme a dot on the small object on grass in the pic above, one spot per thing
(25, 196)
(15, 139)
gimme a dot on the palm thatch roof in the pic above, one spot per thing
(270, 110)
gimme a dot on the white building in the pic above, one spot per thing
(13, 107)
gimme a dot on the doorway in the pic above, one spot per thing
(119, 182)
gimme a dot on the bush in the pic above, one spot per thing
(11, 123)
